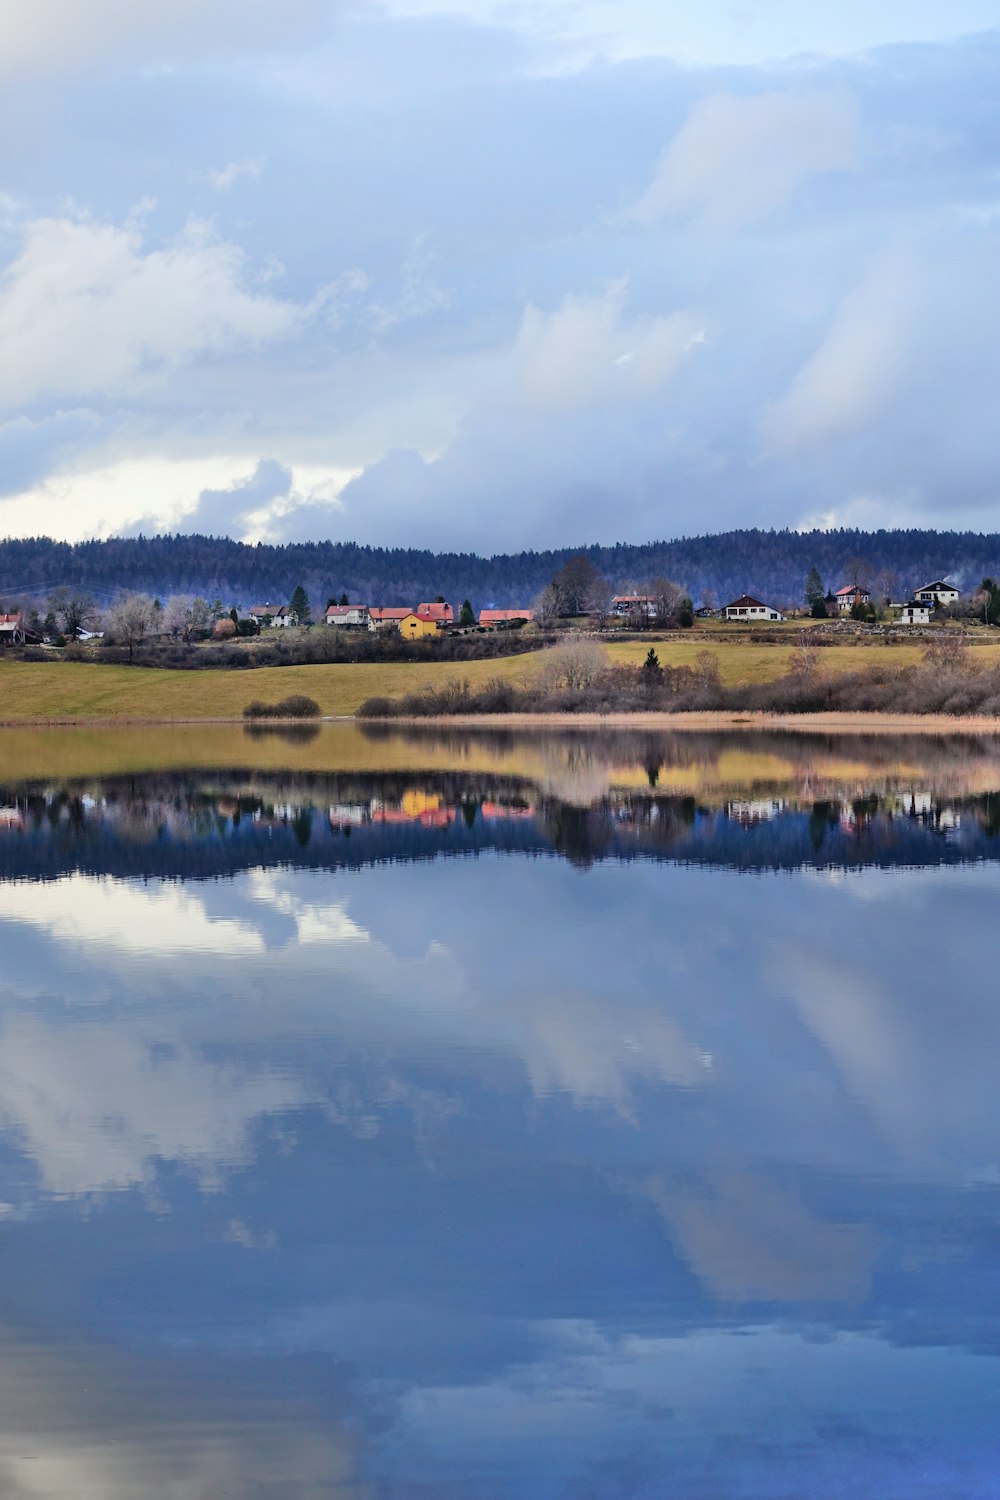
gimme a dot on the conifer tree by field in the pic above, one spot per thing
(299, 604)
(814, 590)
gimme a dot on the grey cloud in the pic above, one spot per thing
(225, 512)
(29, 449)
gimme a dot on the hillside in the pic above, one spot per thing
(772, 564)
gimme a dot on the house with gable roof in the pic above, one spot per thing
(937, 594)
(441, 614)
(850, 595)
(749, 610)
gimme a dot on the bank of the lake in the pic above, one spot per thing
(715, 719)
(92, 692)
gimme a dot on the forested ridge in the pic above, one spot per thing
(770, 564)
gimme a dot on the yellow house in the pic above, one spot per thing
(413, 627)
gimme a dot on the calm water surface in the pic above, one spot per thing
(488, 1117)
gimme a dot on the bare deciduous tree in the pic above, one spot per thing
(884, 587)
(804, 660)
(858, 571)
(597, 600)
(186, 617)
(546, 606)
(574, 665)
(576, 581)
(130, 620)
(74, 609)
(667, 598)
(947, 652)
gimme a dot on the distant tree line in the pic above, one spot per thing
(769, 564)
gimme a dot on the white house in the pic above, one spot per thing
(748, 609)
(352, 615)
(273, 614)
(937, 594)
(850, 595)
(915, 613)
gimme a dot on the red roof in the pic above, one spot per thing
(850, 588)
(437, 612)
(496, 616)
(377, 612)
(14, 619)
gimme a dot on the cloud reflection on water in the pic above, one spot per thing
(575, 1176)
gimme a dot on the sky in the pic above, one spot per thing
(494, 275)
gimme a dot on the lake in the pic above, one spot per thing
(445, 1115)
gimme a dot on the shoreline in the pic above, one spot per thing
(718, 719)
(713, 719)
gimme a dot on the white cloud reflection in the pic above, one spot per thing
(97, 1108)
(163, 919)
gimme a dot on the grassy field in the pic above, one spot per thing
(45, 692)
(62, 691)
(742, 661)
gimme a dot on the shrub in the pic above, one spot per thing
(297, 706)
(379, 708)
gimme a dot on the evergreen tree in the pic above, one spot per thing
(300, 605)
(814, 588)
(467, 616)
(344, 601)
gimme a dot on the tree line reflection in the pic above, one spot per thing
(207, 825)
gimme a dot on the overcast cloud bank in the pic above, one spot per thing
(496, 278)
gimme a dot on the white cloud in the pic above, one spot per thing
(222, 178)
(736, 160)
(84, 308)
(588, 349)
(846, 382)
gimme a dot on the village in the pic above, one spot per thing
(73, 616)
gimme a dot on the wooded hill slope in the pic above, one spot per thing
(770, 564)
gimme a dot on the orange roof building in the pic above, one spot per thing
(441, 614)
(501, 616)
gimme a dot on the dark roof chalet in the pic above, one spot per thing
(747, 601)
